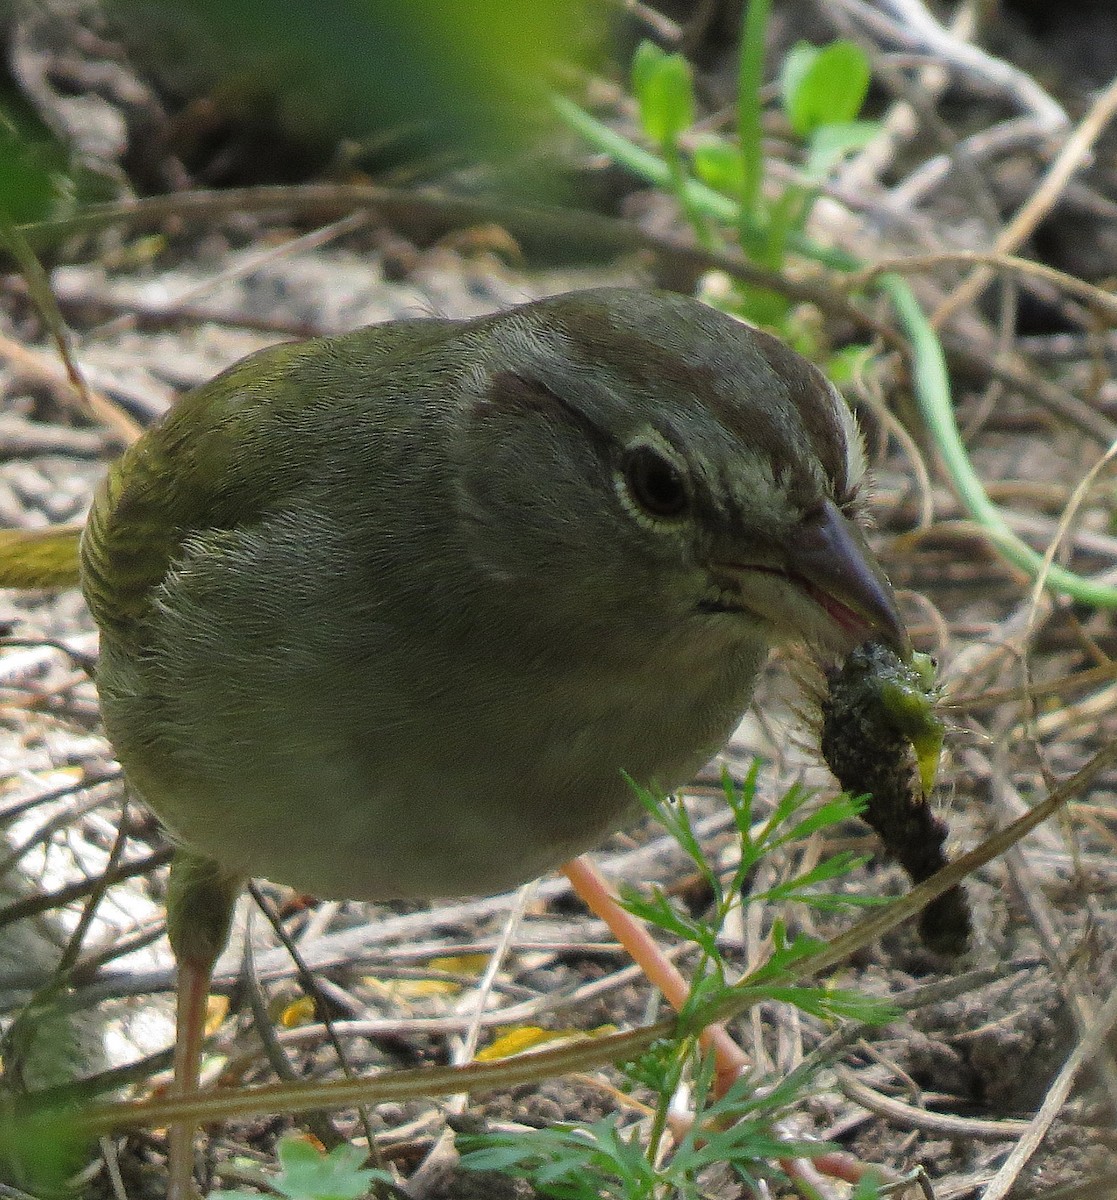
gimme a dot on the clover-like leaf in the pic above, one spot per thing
(664, 89)
(823, 85)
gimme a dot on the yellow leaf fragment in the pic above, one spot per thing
(217, 1009)
(298, 1012)
(529, 1037)
(460, 964)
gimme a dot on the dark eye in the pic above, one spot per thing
(655, 483)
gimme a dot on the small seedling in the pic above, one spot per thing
(308, 1173)
(624, 1158)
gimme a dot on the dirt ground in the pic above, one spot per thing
(986, 1043)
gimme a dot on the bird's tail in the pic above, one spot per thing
(39, 558)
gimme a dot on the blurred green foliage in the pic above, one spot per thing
(33, 165)
(39, 1150)
(465, 79)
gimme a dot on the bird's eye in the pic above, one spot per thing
(655, 483)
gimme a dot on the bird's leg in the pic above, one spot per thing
(587, 881)
(192, 988)
(200, 901)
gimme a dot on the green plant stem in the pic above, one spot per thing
(678, 181)
(662, 1114)
(931, 382)
(750, 78)
(932, 391)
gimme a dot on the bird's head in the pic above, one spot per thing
(663, 463)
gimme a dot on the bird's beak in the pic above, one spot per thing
(832, 560)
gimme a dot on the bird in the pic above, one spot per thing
(400, 613)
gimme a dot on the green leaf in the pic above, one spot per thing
(658, 910)
(40, 1150)
(757, 305)
(706, 992)
(834, 1003)
(672, 814)
(664, 90)
(310, 1174)
(845, 366)
(33, 182)
(571, 1162)
(719, 164)
(867, 1189)
(839, 864)
(829, 144)
(772, 833)
(823, 86)
(334, 1176)
(796, 63)
(659, 1068)
(833, 812)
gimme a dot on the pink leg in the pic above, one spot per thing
(587, 881)
(192, 992)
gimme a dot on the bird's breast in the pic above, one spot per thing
(354, 780)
